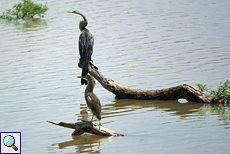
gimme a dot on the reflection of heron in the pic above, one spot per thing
(86, 42)
(91, 99)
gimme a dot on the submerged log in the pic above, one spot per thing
(173, 93)
(88, 127)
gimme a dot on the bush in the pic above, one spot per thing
(25, 10)
(222, 92)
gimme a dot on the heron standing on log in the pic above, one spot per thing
(85, 44)
(92, 100)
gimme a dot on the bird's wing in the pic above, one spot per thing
(89, 45)
(90, 41)
(94, 104)
(81, 45)
(86, 42)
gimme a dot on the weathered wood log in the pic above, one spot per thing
(173, 93)
(86, 126)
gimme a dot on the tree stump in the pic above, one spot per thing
(88, 127)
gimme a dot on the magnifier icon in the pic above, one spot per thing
(9, 141)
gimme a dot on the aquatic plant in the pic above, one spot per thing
(202, 87)
(222, 92)
(24, 10)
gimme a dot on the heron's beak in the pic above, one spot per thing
(70, 12)
(82, 77)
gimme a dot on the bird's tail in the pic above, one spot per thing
(84, 73)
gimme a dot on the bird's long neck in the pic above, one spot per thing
(85, 20)
(90, 86)
(84, 23)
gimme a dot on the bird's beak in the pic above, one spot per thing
(82, 77)
(70, 12)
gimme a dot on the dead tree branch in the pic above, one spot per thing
(173, 93)
(86, 126)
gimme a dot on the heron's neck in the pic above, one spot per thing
(89, 87)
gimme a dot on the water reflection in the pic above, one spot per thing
(222, 110)
(29, 24)
(34, 23)
(84, 143)
(123, 107)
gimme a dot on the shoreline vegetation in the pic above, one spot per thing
(25, 10)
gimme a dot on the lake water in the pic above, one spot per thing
(140, 44)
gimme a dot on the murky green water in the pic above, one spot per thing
(141, 44)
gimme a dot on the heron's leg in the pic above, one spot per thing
(92, 118)
(100, 124)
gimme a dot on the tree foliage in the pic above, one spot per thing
(24, 10)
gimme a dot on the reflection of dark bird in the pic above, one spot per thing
(86, 42)
(91, 99)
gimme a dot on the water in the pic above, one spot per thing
(140, 44)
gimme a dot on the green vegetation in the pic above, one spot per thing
(25, 10)
(222, 92)
(202, 87)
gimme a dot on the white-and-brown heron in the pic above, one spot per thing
(92, 100)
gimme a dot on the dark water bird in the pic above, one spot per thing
(85, 43)
(92, 100)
